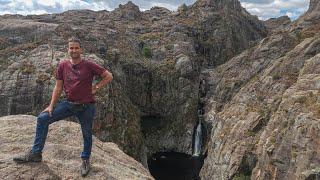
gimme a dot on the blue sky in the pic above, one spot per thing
(264, 9)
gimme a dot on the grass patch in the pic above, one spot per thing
(146, 52)
(273, 140)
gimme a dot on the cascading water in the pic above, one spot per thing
(198, 139)
(198, 134)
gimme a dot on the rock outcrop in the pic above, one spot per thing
(278, 24)
(128, 11)
(263, 107)
(228, 5)
(61, 156)
(225, 29)
(314, 7)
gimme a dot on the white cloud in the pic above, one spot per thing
(28, 3)
(32, 12)
(5, 12)
(258, 1)
(47, 2)
(97, 6)
(290, 3)
(276, 8)
(166, 5)
(74, 4)
(290, 14)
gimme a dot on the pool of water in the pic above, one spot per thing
(175, 166)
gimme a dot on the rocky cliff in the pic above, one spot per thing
(61, 156)
(278, 24)
(263, 106)
(225, 29)
(260, 104)
(155, 57)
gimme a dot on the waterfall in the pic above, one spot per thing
(197, 143)
(197, 140)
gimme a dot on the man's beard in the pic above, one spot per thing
(75, 55)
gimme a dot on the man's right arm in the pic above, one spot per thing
(57, 90)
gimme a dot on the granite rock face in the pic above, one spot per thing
(226, 29)
(263, 107)
(61, 155)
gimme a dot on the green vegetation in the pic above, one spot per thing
(170, 62)
(265, 114)
(301, 99)
(306, 33)
(27, 68)
(208, 43)
(4, 64)
(285, 124)
(169, 46)
(51, 70)
(249, 133)
(272, 140)
(146, 52)
(18, 49)
(42, 78)
(241, 177)
(276, 76)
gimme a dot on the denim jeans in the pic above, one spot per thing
(62, 111)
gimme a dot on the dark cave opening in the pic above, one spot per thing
(175, 166)
(150, 124)
(151, 121)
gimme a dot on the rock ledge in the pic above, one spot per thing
(61, 154)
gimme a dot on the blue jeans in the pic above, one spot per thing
(62, 111)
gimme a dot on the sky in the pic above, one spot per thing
(264, 9)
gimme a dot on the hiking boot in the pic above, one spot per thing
(28, 157)
(85, 167)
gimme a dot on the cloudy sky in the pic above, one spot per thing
(264, 9)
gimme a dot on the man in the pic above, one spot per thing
(75, 76)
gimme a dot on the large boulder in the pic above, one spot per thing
(61, 155)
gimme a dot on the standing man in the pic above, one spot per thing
(75, 76)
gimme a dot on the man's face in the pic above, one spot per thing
(74, 50)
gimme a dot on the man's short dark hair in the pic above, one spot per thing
(74, 39)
